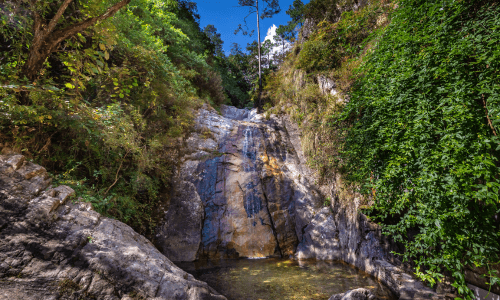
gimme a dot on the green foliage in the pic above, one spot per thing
(418, 135)
(334, 43)
(425, 117)
(333, 51)
(232, 70)
(108, 110)
(327, 10)
(327, 202)
(317, 55)
(296, 13)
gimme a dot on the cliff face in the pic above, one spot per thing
(244, 173)
(54, 248)
(243, 190)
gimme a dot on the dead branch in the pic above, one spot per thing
(118, 171)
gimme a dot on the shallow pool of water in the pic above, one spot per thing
(268, 279)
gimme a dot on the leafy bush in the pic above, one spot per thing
(336, 42)
(317, 55)
(106, 113)
(425, 117)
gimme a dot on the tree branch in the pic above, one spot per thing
(37, 20)
(488, 117)
(245, 32)
(117, 172)
(67, 32)
(55, 19)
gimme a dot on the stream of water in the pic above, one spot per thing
(273, 279)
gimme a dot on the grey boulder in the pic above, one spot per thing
(357, 294)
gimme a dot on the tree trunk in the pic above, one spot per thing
(259, 104)
(269, 59)
(46, 39)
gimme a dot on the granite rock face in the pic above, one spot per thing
(260, 199)
(248, 176)
(326, 85)
(54, 248)
(183, 224)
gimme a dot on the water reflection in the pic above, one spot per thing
(269, 279)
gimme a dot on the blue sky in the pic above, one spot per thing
(225, 17)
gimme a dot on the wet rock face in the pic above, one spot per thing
(247, 175)
(183, 223)
(53, 248)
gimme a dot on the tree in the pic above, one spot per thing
(253, 62)
(48, 34)
(215, 39)
(267, 48)
(271, 8)
(280, 41)
(296, 13)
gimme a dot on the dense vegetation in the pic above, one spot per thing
(105, 112)
(418, 130)
(413, 124)
(425, 117)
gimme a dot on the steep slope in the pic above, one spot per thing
(52, 247)
(398, 101)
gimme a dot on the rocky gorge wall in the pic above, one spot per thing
(242, 189)
(239, 191)
(52, 247)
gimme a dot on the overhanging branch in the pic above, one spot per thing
(69, 31)
(55, 19)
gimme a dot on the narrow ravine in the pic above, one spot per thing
(255, 198)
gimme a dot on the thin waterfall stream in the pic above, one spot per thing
(253, 204)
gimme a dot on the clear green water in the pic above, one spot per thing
(267, 279)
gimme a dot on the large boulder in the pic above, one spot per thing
(357, 294)
(54, 247)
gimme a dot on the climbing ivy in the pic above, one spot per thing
(424, 118)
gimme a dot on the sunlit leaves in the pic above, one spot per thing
(109, 102)
(425, 117)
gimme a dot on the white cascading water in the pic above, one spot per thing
(249, 154)
(246, 145)
(247, 168)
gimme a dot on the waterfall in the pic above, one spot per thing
(253, 203)
(249, 151)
